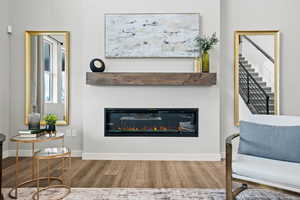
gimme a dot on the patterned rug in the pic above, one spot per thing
(149, 194)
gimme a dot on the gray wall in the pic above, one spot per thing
(261, 15)
(4, 70)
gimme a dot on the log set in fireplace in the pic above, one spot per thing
(138, 122)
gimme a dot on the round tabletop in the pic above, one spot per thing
(43, 138)
(2, 138)
(53, 152)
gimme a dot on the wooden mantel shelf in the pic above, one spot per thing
(155, 79)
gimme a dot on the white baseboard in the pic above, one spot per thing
(5, 154)
(76, 153)
(223, 155)
(129, 156)
(28, 153)
(151, 156)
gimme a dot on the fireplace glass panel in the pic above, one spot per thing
(151, 122)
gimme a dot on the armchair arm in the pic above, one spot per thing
(229, 140)
(231, 137)
(229, 164)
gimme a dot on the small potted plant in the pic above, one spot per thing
(50, 122)
(205, 44)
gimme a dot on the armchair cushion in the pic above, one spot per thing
(270, 141)
(267, 171)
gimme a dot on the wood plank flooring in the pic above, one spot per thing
(129, 174)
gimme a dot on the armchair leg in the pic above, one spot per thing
(239, 190)
(229, 193)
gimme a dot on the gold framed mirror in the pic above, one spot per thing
(256, 74)
(47, 68)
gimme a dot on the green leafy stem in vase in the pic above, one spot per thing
(50, 119)
(206, 43)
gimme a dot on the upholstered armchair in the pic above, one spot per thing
(268, 155)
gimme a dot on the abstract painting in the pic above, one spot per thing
(151, 35)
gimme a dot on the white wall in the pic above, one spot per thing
(85, 21)
(97, 98)
(4, 71)
(245, 113)
(54, 15)
(260, 62)
(261, 15)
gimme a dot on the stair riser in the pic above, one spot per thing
(257, 78)
(270, 101)
(263, 106)
(256, 91)
(251, 70)
(263, 113)
(254, 74)
(255, 99)
(267, 90)
(259, 93)
(262, 84)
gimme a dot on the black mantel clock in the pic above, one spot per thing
(97, 65)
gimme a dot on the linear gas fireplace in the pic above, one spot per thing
(138, 122)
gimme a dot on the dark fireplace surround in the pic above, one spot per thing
(154, 122)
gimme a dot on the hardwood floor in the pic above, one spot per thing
(129, 174)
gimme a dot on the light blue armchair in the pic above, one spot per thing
(268, 154)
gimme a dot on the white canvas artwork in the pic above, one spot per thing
(151, 35)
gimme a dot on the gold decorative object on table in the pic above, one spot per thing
(50, 154)
(198, 65)
(27, 140)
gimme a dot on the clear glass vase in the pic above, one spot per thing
(34, 120)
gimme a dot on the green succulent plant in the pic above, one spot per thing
(206, 43)
(50, 119)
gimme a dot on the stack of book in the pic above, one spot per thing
(31, 133)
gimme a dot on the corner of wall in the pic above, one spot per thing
(4, 73)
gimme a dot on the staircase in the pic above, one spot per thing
(254, 91)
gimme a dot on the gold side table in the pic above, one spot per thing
(19, 140)
(50, 154)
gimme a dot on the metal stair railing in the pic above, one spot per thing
(259, 48)
(252, 93)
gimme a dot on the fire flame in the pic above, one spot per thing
(160, 128)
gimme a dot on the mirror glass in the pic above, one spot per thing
(256, 74)
(47, 68)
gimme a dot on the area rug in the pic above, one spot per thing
(150, 194)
